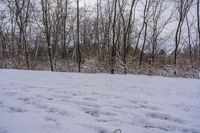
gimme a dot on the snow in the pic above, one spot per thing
(46, 102)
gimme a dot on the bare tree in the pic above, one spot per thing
(144, 26)
(198, 22)
(145, 13)
(21, 11)
(64, 23)
(78, 50)
(47, 28)
(183, 8)
(3, 39)
(97, 29)
(126, 30)
(161, 17)
(189, 40)
(113, 55)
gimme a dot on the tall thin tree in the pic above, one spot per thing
(78, 50)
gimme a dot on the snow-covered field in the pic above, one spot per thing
(46, 102)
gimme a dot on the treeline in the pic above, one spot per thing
(116, 36)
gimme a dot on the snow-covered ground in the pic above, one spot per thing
(46, 102)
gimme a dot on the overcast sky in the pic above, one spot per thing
(89, 2)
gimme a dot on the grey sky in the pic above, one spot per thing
(89, 2)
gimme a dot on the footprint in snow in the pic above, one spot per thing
(50, 119)
(170, 128)
(165, 117)
(96, 128)
(117, 107)
(45, 98)
(94, 113)
(24, 99)
(113, 120)
(87, 104)
(89, 99)
(10, 93)
(144, 106)
(17, 109)
(108, 113)
(2, 130)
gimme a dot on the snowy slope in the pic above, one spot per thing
(45, 102)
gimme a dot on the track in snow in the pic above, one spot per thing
(45, 102)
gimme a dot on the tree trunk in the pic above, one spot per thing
(3, 42)
(198, 23)
(113, 56)
(177, 38)
(143, 25)
(47, 27)
(78, 51)
(143, 46)
(189, 41)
